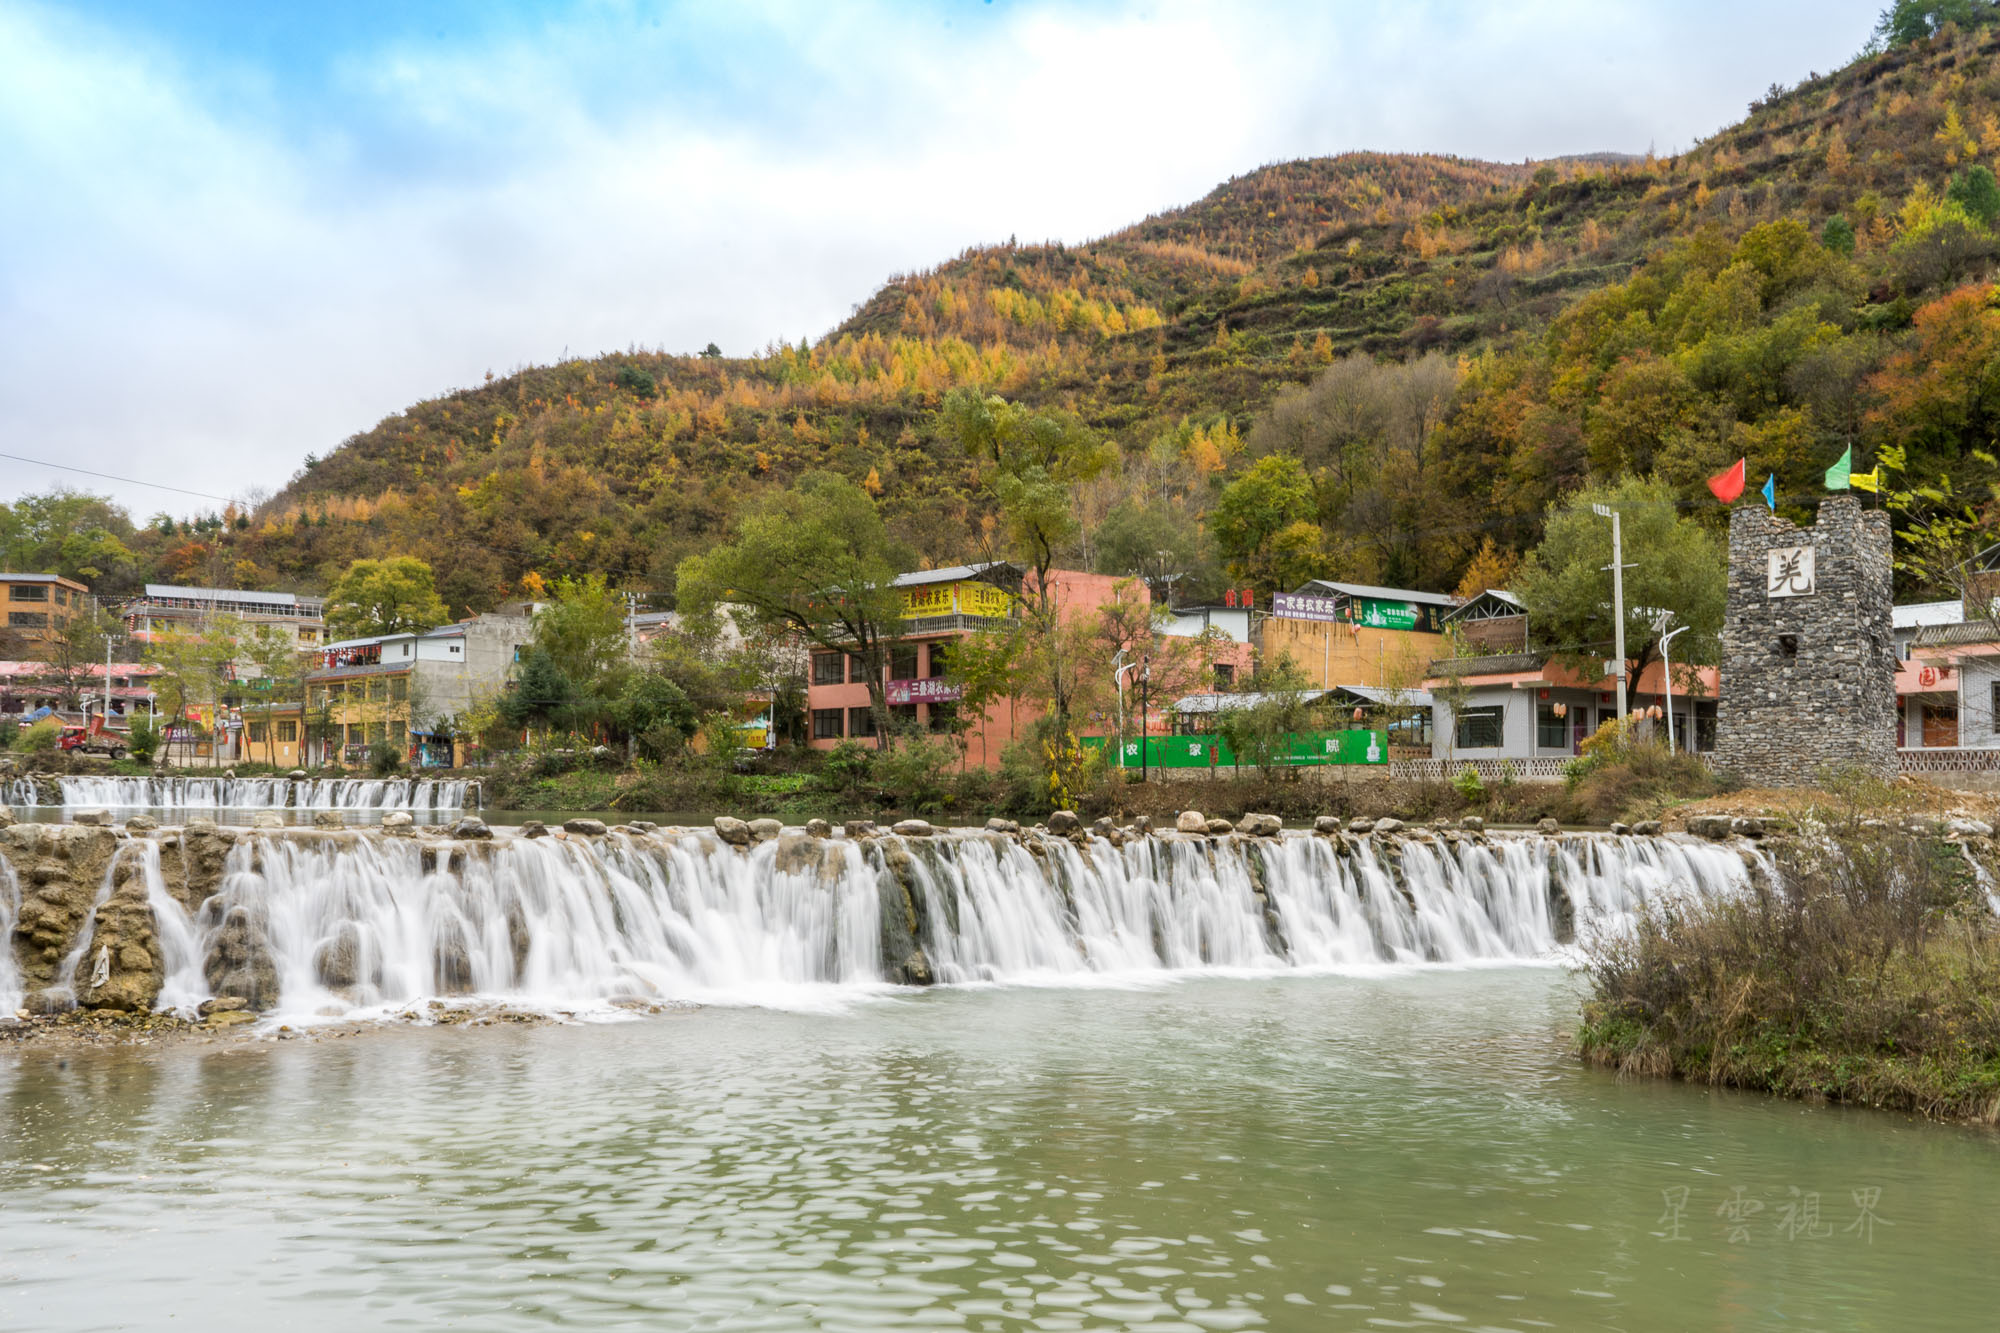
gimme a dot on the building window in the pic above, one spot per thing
(826, 721)
(257, 730)
(399, 689)
(1551, 732)
(1225, 676)
(938, 660)
(903, 716)
(27, 619)
(30, 592)
(943, 716)
(829, 669)
(903, 663)
(1479, 728)
(857, 670)
(860, 722)
(288, 733)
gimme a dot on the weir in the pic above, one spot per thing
(306, 923)
(181, 794)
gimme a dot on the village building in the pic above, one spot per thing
(166, 606)
(38, 607)
(30, 688)
(404, 690)
(1533, 712)
(941, 608)
(1355, 633)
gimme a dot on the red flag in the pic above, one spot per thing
(1728, 485)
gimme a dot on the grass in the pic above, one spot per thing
(1867, 975)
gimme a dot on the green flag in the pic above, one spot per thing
(1838, 476)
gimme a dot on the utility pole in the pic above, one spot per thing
(1667, 669)
(1617, 598)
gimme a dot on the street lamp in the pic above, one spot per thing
(1145, 694)
(1667, 669)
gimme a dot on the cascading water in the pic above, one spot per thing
(438, 795)
(10, 916)
(357, 922)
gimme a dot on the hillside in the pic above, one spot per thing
(1783, 288)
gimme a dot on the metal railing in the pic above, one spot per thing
(1541, 768)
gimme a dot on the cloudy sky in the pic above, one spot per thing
(232, 234)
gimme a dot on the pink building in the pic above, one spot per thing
(941, 608)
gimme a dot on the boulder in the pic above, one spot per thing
(534, 828)
(1646, 828)
(732, 830)
(1191, 821)
(1472, 824)
(763, 830)
(200, 825)
(1260, 826)
(589, 828)
(1747, 826)
(297, 775)
(229, 1018)
(222, 1004)
(6, 817)
(1105, 827)
(1968, 828)
(1220, 828)
(272, 819)
(1619, 830)
(1142, 824)
(141, 824)
(818, 828)
(399, 824)
(1712, 827)
(94, 818)
(328, 819)
(240, 963)
(643, 826)
(1328, 824)
(998, 825)
(913, 828)
(1065, 824)
(859, 828)
(1547, 825)
(1360, 825)
(1388, 826)
(471, 827)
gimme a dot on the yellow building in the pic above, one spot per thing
(274, 734)
(36, 607)
(1356, 634)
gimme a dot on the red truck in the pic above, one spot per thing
(94, 739)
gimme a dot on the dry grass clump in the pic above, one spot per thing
(1867, 973)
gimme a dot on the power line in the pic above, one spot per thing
(109, 476)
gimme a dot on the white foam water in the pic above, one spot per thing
(360, 922)
(181, 794)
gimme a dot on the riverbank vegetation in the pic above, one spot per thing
(1868, 972)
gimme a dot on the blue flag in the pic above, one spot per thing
(1771, 491)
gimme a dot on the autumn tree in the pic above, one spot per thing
(1262, 523)
(1674, 565)
(815, 559)
(395, 595)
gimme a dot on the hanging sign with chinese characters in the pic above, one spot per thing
(1790, 572)
(933, 690)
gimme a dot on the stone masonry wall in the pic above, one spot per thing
(1808, 682)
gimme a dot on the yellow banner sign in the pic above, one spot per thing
(969, 599)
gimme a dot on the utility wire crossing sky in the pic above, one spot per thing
(238, 234)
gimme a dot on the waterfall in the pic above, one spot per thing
(357, 922)
(10, 916)
(22, 793)
(378, 795)
(66, 974)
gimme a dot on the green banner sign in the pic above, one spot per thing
(1388, 615)
(1300, 749)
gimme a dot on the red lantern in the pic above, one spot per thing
(1229, 597)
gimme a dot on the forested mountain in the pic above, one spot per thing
(1375, 363)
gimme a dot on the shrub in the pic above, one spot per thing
(40, 738)
(143, 740)
(1469, 786)
(915, 773)
(384, 759)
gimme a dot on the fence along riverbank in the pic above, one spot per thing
(306, 922)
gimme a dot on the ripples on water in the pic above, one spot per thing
(1304, 1153)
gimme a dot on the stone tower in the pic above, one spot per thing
(1808, 663)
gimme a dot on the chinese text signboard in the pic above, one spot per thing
(944, 599)
(1368, 611)
(1298, 606)
(1792, 571)
(931, 691)
(1211, 751)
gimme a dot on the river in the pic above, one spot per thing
(1393, 1148)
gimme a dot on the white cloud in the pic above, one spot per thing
(201, 280)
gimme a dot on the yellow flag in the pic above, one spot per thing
(1866, 481)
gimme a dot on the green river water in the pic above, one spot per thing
(1401, 1151)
